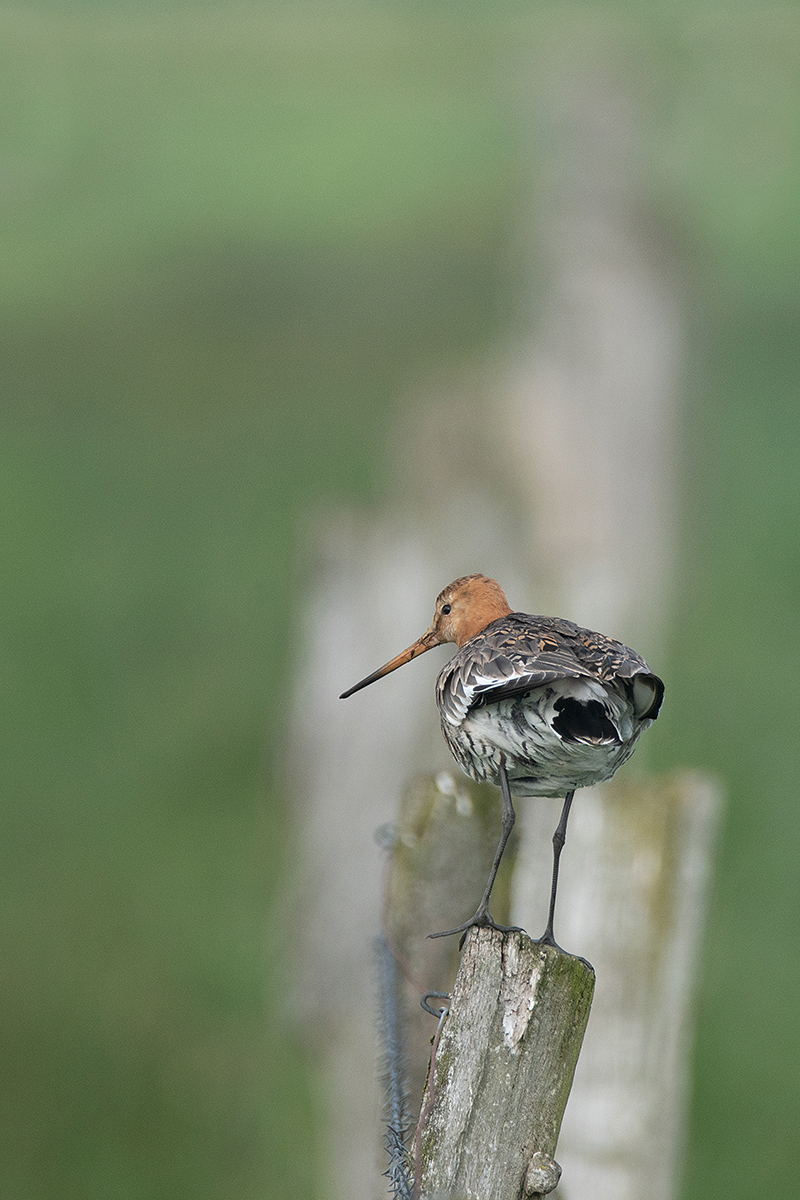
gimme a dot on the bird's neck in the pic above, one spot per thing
(482, 613)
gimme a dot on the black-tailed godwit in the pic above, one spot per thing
(534, 704)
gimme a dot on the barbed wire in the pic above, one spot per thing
(393, 1071)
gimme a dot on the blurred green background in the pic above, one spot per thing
(231, 235)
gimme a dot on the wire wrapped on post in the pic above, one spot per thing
(393, 1072)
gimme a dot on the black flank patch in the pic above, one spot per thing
(583, 721)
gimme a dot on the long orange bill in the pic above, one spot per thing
(426, 642)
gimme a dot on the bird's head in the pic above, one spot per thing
(463, 609)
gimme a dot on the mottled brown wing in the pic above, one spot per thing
(468, 681)
(520, 652)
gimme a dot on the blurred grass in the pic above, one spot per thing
(735, 667)
(230, 235)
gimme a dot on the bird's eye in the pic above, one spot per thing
(445, 609)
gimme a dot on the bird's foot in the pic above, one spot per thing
(547, 939)
(482, 919)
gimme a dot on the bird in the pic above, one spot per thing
(536, 704)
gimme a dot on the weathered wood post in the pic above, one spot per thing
(504, 1069)
(491, 1108)
(634, 890)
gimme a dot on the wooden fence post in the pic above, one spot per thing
(504, 1069)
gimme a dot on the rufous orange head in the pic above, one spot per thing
(463, 609)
